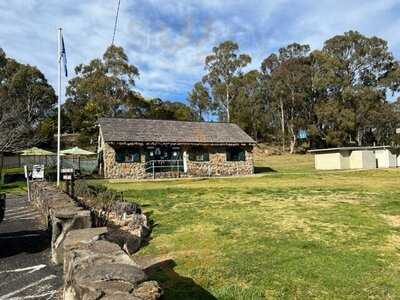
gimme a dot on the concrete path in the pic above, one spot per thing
(25, 268)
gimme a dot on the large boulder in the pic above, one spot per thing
(128, 242)
(63, 221)
(99, 269)
(128, 231)
(149, 290)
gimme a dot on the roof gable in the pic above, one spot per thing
(172, 132)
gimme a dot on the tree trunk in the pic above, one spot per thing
(1, 168)
(282, 124)
(359, 137)
(293, 140)
(228, 117)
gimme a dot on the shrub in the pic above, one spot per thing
(96, 195)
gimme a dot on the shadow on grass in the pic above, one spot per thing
(178, 287)
(175, 286)
(146, 241)
(258, 170)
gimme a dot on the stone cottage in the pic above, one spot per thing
(140, 148)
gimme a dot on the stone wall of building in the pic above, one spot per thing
(219, 166)
(216, 166)
(113, 169)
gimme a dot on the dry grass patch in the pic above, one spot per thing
(297, 234)
(393, 220)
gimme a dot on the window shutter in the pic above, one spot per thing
(120, 155)
(206, 156)
(242, 155)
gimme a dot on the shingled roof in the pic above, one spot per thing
(171, 132)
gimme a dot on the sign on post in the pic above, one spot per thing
(67, 173)
(37, 172)
(68, 176)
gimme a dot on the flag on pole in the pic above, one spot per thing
(63, 56)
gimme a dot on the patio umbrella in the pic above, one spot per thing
(35, 151)
(76, 151)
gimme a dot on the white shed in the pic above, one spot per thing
(354, 158)
(385, 159)
(362, 159)
(328, 161)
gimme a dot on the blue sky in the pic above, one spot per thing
(168, 40)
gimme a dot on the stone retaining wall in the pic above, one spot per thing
(60, 213)
(95, 266)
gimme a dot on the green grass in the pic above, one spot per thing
(286, 162)
(291, 234)
(13, 171)
(18, 187)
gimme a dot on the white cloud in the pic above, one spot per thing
(168, 40)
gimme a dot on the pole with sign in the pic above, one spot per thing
(27, 182)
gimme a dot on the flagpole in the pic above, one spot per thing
(59, 106)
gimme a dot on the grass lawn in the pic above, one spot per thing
(18, 187)
(285, 163)
(291, 234)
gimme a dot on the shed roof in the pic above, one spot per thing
(349, 149)
(172, 132)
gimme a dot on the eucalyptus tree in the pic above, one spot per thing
(353, 76)
(248, 109)
(288, 79)
(26, 99)
(199, 99)
(222, 66)
(100, 89)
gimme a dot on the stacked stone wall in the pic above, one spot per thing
(216, 166)
(114, 169)
(94, 262)
(219, 166)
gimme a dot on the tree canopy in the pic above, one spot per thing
(105, 88)
(26, 99)
(341, 94)
(335, 96)
(222, 66)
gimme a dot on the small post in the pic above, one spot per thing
(67, 186)
(153, 170)
(27, 182)
(72, 193)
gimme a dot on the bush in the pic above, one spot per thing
(96, 195)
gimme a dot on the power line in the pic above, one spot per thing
(116, 22)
